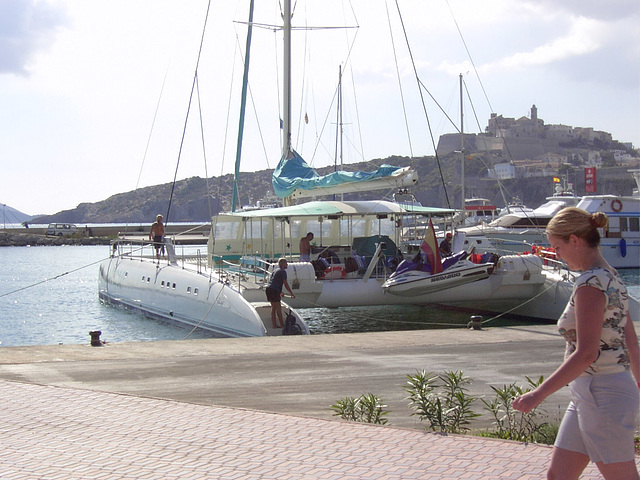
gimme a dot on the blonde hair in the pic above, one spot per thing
(575, 221)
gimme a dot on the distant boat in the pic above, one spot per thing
(517, 232)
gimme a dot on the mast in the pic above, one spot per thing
(243, 103)
(462, 144)
(286, 82)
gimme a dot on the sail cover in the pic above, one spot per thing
(293, 177)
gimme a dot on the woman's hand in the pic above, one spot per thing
(527, 402)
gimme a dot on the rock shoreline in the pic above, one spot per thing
(27, 239)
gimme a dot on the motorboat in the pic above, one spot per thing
(519, 232)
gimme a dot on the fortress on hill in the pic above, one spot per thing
(525, 138)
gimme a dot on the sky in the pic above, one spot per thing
(94, 94)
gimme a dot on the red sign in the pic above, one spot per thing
(590, 180)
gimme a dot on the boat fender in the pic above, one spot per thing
(616, 205)
(623, 247)
(295, 285)
(291, 327)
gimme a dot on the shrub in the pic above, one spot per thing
(512, 424)
(442, 400)
(367, 408)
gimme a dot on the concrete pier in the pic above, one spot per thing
(259, 407)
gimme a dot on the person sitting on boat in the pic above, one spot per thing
(156, 234)
(274, 292)
(445, 245)
(305, 247)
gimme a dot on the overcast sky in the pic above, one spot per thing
(81, 82)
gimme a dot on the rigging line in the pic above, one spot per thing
(395, 57)
(522, 304)
(204, 151)
(206, 314)
(444, 112)
(146, 148)
(52, 278)
(469, 55)
(184, 130)
(424, 108)
(475, 115)
(475, 70)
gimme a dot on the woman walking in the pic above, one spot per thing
(601, 359)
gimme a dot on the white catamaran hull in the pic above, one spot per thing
(183, 296)
(519, 285)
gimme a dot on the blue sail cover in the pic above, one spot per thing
(294, 173)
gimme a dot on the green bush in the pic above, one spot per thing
(512, 424)
(442, 400)
(365, 409)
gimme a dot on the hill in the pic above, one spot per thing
(193, 201)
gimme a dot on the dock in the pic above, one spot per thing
(258, 408)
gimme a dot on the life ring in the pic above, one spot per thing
(334, 272)
(616, 205)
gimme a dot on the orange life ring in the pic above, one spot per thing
(616, 205)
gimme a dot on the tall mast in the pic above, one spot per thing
(462, 143)
(286, 83)
(243, 103)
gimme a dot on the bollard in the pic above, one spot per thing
(95, 338)
(475, 323)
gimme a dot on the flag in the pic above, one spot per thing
(430, 248)
(556, 179)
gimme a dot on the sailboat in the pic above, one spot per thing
(186, 291)
(359, 244)
(358, 247)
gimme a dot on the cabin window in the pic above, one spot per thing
(188, 289)
(173, 286)
(622, 222)
(358, 227)
(634, 224)
(143, 278)
(162, 283)
(227, 230)
(195, 291)
(387, 227)
(148, 279)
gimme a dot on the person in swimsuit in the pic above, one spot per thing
(305, 247)
(156, 235)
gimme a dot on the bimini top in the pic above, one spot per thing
(294, 178)
(326, 208)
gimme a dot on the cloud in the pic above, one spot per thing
(27, 27)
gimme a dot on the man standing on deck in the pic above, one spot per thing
(305, 248)
(157, 235)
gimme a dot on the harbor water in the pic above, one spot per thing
(49, 296)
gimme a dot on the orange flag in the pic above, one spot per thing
(430, 248)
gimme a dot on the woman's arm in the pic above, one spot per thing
(632, 347)
(590, 304)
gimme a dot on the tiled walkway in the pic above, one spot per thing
(49, 433)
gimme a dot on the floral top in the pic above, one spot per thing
(612, 353)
